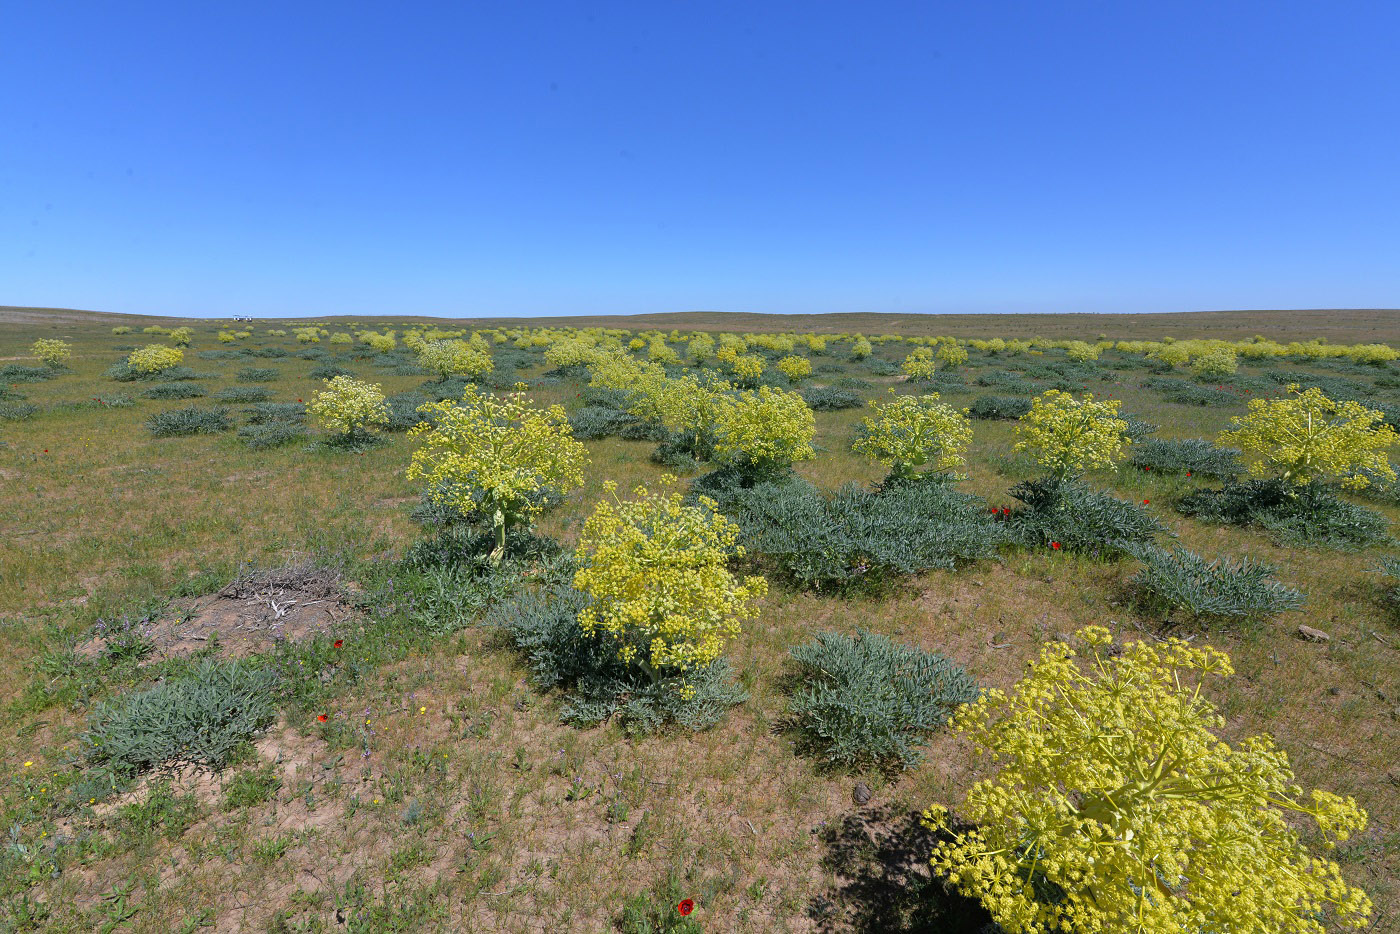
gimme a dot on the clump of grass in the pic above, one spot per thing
(201, 718)
(869, 700)
(1004, 408)
(1070, 516)
(12, 411)
(255, 374)
(243, 394)
(20, 373)
(252, 787)
(1194, 456)
(274, 412)
(191, 421)
(329, 371)
(264, 435)
(593, 422)
(1181, 582)
(1311, 516)
(173, 391)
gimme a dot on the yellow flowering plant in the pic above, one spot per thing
(446, 357)
(1068, 436)
(51, 352)
(181, 337)
(1216, 363)
(1115, 807)
(747, 369)
(860, 348)
(950, 354)
(495, 456)
(153, 358)
(764, 432)
(701, 348)
(919, 364)
(657, 572)
(1306, 436)
(349, 407)
(795, 368)
(910, 432)
(121, 329)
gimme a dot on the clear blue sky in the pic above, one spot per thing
(561, 158)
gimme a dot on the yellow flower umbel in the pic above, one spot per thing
(795, 368)
(1068, 436)
(153, 358)
(657, 572)
(496, 455)
(765, 432)
(909, 432)
(1116, 808)
(446, 357)
(349, 407)
(51, 352)
(919, 364)
(1308, 437)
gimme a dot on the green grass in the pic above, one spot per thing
(460, 804)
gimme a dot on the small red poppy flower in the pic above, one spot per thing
(686, 906)
(1148, 467)
(1188, 473)
(46, 450)
(320, 718)
(1006, 510)
(298, 400)
(339, 643)
(1055, 546)
(1146, 502)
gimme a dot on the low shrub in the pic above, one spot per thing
(243, 394)
(1007, 382)
(1310, 516)
(255, 374)
(1182, 582)
(274, 412)
(542, 625)
(1194, 456)
(853, 382)
(220, 355)
(403, 411)
(1069, 516)
(115, 401)
(271, 434)
(869, 700)
(998, 407)
(829, 398)
(880, 367)
(191, 421)
(201, 718)
(858, 537)
(20, 373)
(14, 411)
(329, 371)
(173, 391)
(593, 422)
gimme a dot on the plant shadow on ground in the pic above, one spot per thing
(886, 887)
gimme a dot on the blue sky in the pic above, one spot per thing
(559, 158)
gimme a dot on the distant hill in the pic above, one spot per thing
(1342, 325)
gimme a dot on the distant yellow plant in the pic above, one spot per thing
(860, 348)
(950, 354)
(1216, 363)
(181, 337)
(657, 570)
(765, 432)
(349, 407)
(1306, 436)
(747, 368)
(446, 357)
(795, 368)
(153, 358)
(910, 432)
(1068, 436)
(495, 456)
(919, 364)
(1115, 807)
(121, 329)
(51, 351)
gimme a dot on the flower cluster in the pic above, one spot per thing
(656, 570)
(154, 357)
(496, 455)
(1306, 436)
(51, 352)
(446, 357)
(349, 406)
(1068, 436)
(795, 368)
(1116, 807)
(765, 432)
(909, 432)
(919, 364)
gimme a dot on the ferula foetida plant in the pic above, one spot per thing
(1306, 436)
(657, 570)
(907, 433)
(349, 407)
(495, 456)
(919, 364)
(153, 358)
(765, 431)
(447, 357)
(1068, 436)
(51, 352)
(1115, 807)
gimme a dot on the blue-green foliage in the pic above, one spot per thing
(999, 407)
(1311, 516)
(1195, 456)
(200, 718)
(869, 700)
(1079, 518)
(190, 421)
(1181, 582)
